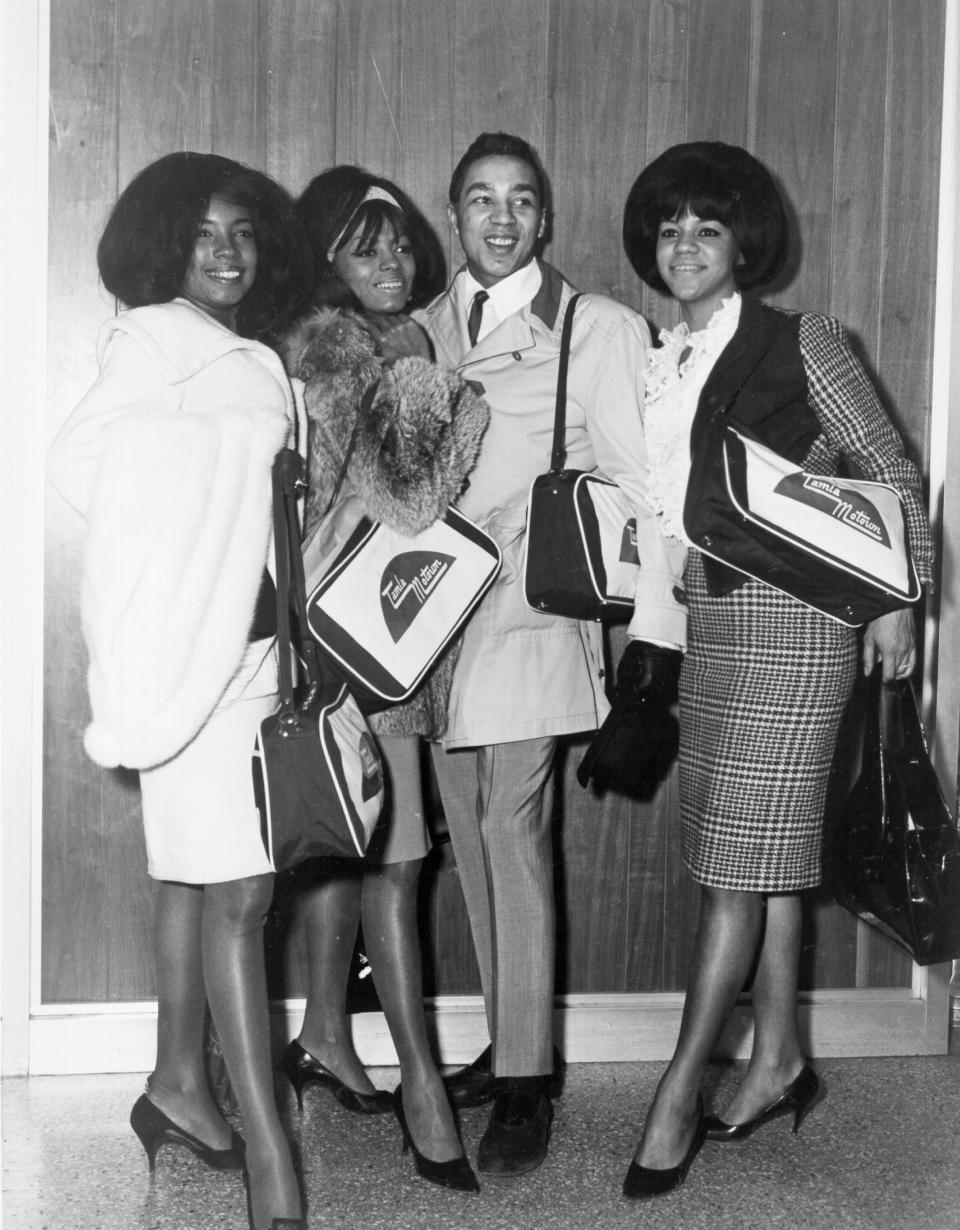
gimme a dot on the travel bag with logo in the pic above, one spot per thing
(838, 545)
(581, 556)
(317, 774)
(391, 603)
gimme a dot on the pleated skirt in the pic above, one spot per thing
(762, 691)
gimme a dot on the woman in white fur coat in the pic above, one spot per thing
(374, 256)
(168, 458)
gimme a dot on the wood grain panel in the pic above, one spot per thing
(909, 187)
(369, 86)
(795, 124)
(599, 125)
(94, 944)
(841, 100)
(299, 76)
(594, 889)
(427, 69)
(719, 53)
(859, 153)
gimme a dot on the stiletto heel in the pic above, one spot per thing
(302, 1069)
(276, 1223)
(800, 1097)
(456, 1173)
(643, 1182)
(154, 1129)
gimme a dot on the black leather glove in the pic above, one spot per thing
(648, 673)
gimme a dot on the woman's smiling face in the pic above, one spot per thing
(696, 258)
(223, 266)
(380, 273)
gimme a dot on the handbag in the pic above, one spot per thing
(893, 851)
(839, 545)
(317, 774)
(580, 554)
(390, 604)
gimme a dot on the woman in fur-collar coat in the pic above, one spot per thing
(400, 457)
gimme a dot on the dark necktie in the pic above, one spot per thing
(476, 315)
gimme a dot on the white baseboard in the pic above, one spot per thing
(89, 1038)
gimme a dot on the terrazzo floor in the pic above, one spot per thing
(882, 1152)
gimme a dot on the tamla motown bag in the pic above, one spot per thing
(390, 604)
(317, 778)
(580, 548)
(317, 774)
(836, 544)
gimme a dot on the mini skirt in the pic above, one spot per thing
(763, 688)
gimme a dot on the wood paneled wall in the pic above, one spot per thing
(841, 98)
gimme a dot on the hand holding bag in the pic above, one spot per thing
(581, 556)
(893, 851)
(317, 774)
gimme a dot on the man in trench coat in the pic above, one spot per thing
(524, 678)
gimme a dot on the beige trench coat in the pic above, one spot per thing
(522, 674)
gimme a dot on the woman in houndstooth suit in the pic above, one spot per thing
(765, 679)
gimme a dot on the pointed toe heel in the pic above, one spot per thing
(456, 1174)
(153, 1129)
(301, 1069)
(645, 1183)
(798, 1099)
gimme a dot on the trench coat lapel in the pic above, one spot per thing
(514, 335)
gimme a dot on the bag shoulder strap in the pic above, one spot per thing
(366, 402)
(559, 452)
(288, 484)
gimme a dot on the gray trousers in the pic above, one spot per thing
(498, 802)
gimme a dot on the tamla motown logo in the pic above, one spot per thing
(628, 543)
(408, 581)
(850, 507)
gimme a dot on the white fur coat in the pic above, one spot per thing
(169, 458)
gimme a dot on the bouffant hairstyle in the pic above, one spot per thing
(149, 238)
(331, 208)
(714, 181)
(497, 145)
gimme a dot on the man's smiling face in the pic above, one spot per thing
(499, 217)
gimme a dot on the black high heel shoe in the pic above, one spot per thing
(276, 1223)
(457, 1173)
(154, 1129)
(302, 1069)
(642, 1182)
(800, 1096)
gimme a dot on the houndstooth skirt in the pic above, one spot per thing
(762, 690)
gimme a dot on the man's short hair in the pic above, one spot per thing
(497, 145)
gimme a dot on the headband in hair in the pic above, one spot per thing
(372, 194)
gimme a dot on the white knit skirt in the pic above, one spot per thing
(199, 817)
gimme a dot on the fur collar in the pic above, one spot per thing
(413, 446)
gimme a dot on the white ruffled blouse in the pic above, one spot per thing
(676, 372)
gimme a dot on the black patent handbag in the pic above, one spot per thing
(893, 850)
